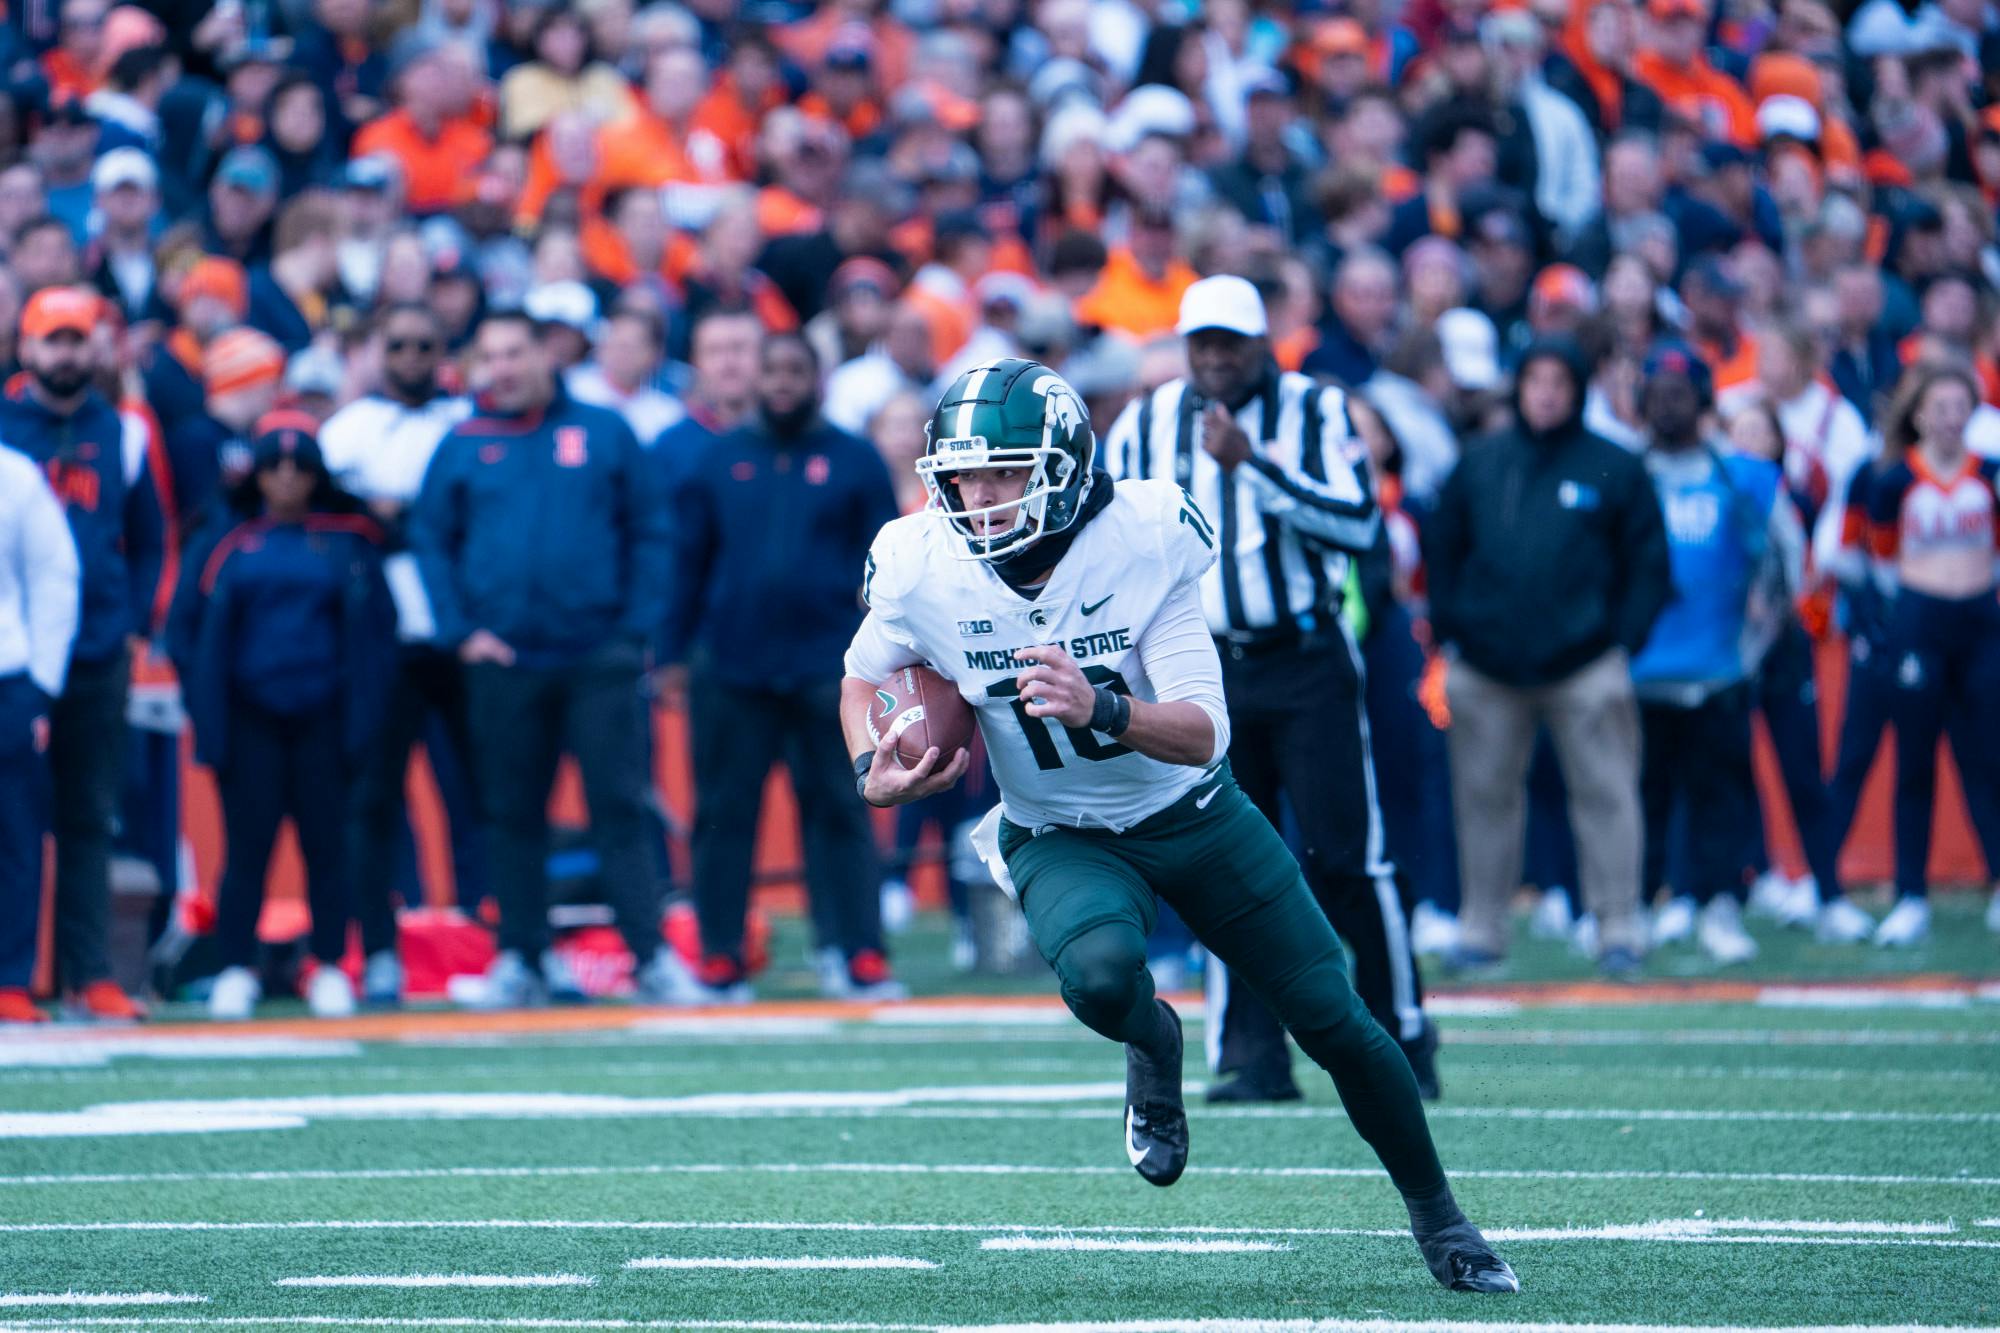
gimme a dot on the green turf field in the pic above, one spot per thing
(1743, 1166)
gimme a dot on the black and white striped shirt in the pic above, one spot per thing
(1286, 518)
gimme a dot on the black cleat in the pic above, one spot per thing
(1422, 1054)
(1156, 1127)
(1244, 1088)
(1461, 1260)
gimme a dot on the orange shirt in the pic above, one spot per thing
(641, 150)
(1291, 351)
(894, 45)
(1716, 101)
(782, 213)
(724, 114)
(1732, 371)
(1128, 300)
(1400, 182)
(609, 258)
(861, 120)
(68, 81)
(437, 173)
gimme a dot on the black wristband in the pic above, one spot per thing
(1111, 713)
(863, 764)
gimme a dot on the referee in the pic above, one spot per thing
(1274, 457)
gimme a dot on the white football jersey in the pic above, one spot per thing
(929, 605)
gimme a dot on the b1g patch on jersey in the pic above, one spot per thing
(572, 446)
(972, 629)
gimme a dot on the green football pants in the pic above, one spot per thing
(1089, 899)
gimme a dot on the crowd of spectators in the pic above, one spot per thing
(480, 372)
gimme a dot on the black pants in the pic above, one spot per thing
(280, 766)
(1092, 897)
(1788, 696)
(1299, 735)
(1412, 768)
(1947, 670)
(522, 719)
(739, 733)
(428, 683)
(24, 813)
(87, 764)
(1699, 759)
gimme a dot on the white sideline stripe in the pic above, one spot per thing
(949, 1015)
(1988, 1222)
(958, 1169)
(239, 1115)
(1990, 991)
(785, 1265)
(1690, 1231)
(739, 1026)
(1470, 1006)
(92, 1123)
(1129, 1325)
(440, 1280)
(1713, 1037)
(1082, 1062)
(68, 1051)
(18, 1299)
(991, 1101)
(1038, 1243)
(1859, 997)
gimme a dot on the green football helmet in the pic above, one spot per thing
(1011, 413)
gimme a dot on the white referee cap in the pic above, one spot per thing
(1223, 302)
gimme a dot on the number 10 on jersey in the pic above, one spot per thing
(1040, 731)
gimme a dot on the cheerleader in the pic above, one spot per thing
(1932, 536)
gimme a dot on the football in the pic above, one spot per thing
(921, 709)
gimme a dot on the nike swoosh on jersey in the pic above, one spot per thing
(1092, 608)
(1201, 802)
(1132, 1148)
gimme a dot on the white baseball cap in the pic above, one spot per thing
(566, 302)
(1784, 114)
(124, 166)
(1224, 301)
(1471, 349)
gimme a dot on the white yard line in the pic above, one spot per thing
(956, 1169)
(1715, 1037)
(20, 1299)
(802, 1264)
(66, 1048)
(440, 1280)
(1247, 1325)
(980, 1016)
(1690, 1231)
(375, 1072)
(1859, 997)
(994, 1101)
(1095, 1245)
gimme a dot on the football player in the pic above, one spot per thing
(1067, 614)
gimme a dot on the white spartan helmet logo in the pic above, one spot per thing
(1062, 414)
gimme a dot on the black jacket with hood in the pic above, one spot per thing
(1547, 548)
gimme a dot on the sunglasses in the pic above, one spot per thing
(411, 345)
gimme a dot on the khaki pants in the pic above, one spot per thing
(1594, 721)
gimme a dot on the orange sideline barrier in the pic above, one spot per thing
(1955, 857)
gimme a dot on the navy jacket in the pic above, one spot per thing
(1871, 373)
(772, 535)
(1546, 549)
(120, 529)
(291, 618)
(547, 529)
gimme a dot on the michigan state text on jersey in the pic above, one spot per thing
(1066, 612)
